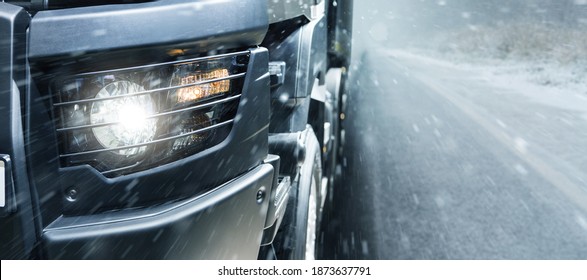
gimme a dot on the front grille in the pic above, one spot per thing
(126, 120)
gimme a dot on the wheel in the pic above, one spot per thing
(311, 224)
(296, 238)
(335, 84)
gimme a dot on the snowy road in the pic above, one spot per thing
(455, 162)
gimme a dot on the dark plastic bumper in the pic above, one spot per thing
(224, 224)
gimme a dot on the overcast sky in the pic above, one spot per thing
(401, 23)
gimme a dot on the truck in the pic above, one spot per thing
(169, 129)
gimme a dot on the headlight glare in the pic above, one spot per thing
(129, 118)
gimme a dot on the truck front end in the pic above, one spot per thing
(141, 129)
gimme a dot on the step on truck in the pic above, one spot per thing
(169, 129)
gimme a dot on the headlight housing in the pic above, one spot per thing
(126, 120)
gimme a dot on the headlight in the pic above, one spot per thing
(126, 120)
(128, 115)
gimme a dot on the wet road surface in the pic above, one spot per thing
(440, 163)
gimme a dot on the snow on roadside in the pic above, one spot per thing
(552, 84)
(542, 53)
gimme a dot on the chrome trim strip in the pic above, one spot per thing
(231, 77)
(191, 60)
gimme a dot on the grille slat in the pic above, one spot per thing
(178, 111)
(155, 65)
(83, 101)
(151, 142)
(120, 169)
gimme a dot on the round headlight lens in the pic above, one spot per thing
(130, 115)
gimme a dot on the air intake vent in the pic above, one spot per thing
(127, 120)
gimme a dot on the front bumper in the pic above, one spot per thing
(224, 224)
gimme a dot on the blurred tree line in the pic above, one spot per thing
(567, 12)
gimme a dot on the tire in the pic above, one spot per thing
(296, 239)
(312, 223)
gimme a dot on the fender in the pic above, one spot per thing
(305, 58)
